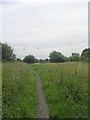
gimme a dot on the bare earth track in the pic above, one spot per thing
(42, 107)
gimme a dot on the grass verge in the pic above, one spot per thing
(19, 93)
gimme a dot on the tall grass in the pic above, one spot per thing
(65, 86)
(19, 91)
(66, 89)
(0, 90)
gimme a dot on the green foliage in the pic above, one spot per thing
(57, 57)
(7, 53)
(0, 90)
(19, 92)
(30, 59)
(65, 86)
(18, 59)
(43, 60)
(66, 89)
(0, 51)
(85, 56)
(74, 57)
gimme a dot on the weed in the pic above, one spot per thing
(65, 86)
(19, 91)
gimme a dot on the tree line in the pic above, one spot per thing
(7, 54)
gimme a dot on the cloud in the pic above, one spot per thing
(0, 21)
(40, 28)
(45, 1)
(8, 1)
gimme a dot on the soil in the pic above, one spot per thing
(42, 105)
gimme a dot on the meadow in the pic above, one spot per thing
(19, 92)
(0, 90)
(65, 86)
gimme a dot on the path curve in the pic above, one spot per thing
(42, 107)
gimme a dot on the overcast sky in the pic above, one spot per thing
(36, 27)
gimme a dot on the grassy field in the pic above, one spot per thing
(0, 90)
(19, 91)
(65, 86)
(66, 89)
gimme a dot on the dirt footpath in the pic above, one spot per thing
(42, 107)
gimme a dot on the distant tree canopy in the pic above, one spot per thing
(0, 51)
(43, 60)
(74, 57)
(57, 57)
(30, 59)
(7, 53)
(85, 55)
(18, 59)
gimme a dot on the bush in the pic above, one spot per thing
(30, 59)
(7, 53)
(57, 57)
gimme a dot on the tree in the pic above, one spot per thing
(0, 51)
(74, 57)
(43, 60)
(85, 55)
(18, 59)
(46, 60)
(57, 57)
(7, 53)
(30, 59)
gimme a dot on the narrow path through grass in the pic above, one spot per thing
(42, 108)
(65, 87)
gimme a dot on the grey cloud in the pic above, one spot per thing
(41, 28)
